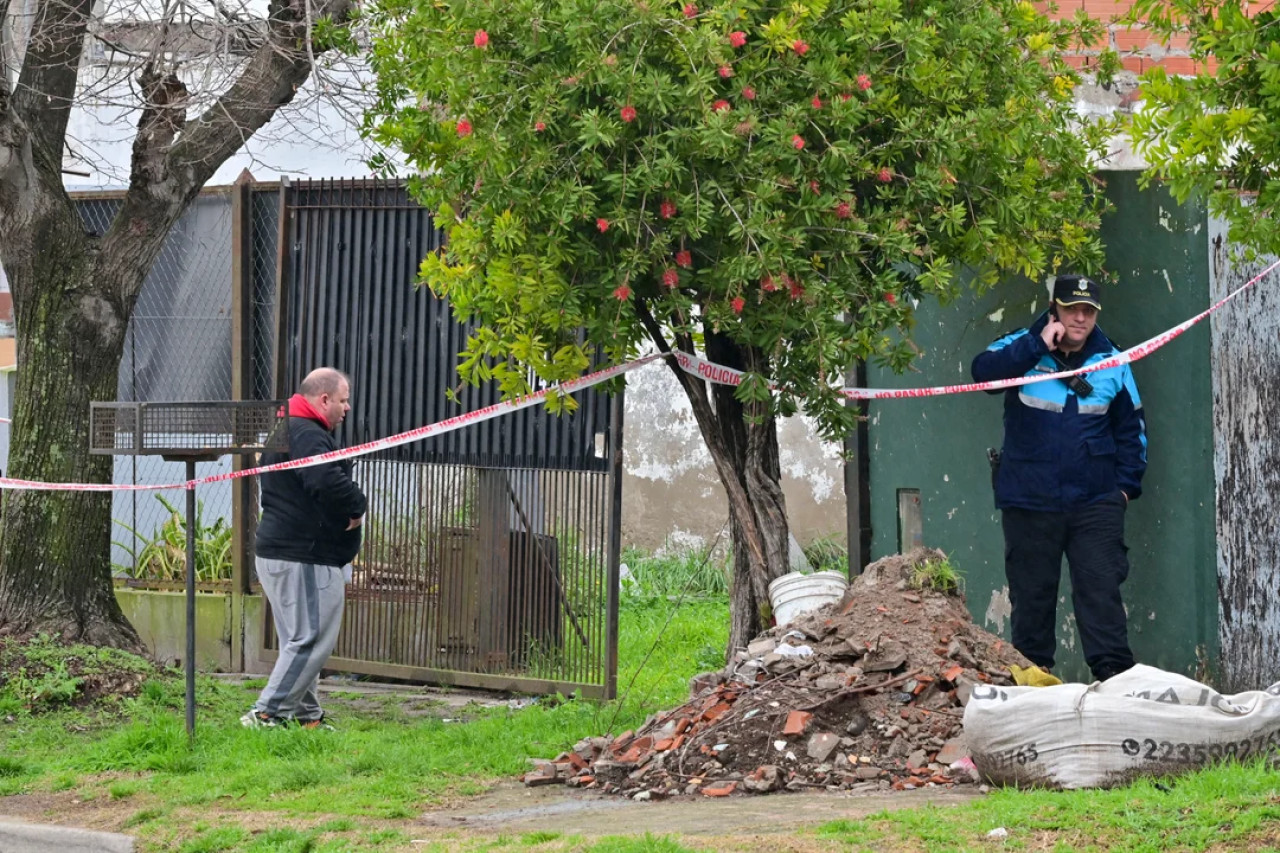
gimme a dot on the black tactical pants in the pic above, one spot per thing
(1093, 540)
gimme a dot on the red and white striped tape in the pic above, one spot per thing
(417, 434)
(692, 364)
(722, 375)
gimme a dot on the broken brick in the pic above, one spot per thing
(715, 712)
(952, 673)
(720, 789)
(632, 755)
(545, 774)
(663, 745)
(797, 722)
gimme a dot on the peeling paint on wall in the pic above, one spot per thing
(1246, 404)
(1067, 636)
(671, 494)
(998, 609)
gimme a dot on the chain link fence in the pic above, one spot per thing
(177, 348)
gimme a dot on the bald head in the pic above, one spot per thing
(322, 380)
(329, 392)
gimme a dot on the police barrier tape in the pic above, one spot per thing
(691, 364)
(416, 434)
(722, 375)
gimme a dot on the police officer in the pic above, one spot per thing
(1073, 458)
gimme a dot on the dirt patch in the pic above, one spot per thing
(514, 810)
(864, 694)
(42, 673)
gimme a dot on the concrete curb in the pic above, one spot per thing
(40, 838)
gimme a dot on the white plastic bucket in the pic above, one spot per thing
(795, 594)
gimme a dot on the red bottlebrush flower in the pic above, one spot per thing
(748, 93)
(815, 186)
(464, 127)
(690, 10)
(800, 46)
(670, 277)
(768, 285)
(797, 142)
(890, 298)
(667, 209)
(628, 113)
(726, 72)
(720, 105)
(684, 258)
(845, 96)
(797, 290)
(737, 38)
(843, 210)
(622, 293)
(864, 82)
(603, 225)
(539, 126)
(738, 304)
(481, 40)
(884, 176)
(816, 102)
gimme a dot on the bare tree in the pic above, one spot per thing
(199, 80)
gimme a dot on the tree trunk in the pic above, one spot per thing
(73, 295)
(55, 572)
(743, 442)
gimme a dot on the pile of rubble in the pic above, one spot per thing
(865, 693)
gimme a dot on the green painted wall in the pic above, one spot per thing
(1161, 253)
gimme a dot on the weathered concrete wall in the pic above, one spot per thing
(160, 619)
(1246, 463)
(670, 492)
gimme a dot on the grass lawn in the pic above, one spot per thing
(128, 767)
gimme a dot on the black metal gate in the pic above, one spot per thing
(491, 553)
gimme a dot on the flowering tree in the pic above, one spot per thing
(773, 184)
(1215, 133)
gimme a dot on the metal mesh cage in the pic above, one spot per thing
(187, 428)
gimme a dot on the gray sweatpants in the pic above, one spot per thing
(306, 604)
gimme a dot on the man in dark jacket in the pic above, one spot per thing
(309, 533)
(1073, 458)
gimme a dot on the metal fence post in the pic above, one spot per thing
(614, 546)
(857, 480)
(243, 495)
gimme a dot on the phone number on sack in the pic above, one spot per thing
(1198, 753)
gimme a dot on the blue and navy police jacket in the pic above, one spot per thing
(1061, 451)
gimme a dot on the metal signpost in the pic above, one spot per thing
(191, 433)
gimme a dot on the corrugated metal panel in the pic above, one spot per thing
(355, 248)
(491, 553)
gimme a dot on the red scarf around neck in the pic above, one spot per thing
(300, 407)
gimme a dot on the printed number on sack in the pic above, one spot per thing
(1197, 753)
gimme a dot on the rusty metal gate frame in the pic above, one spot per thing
(492, 589)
